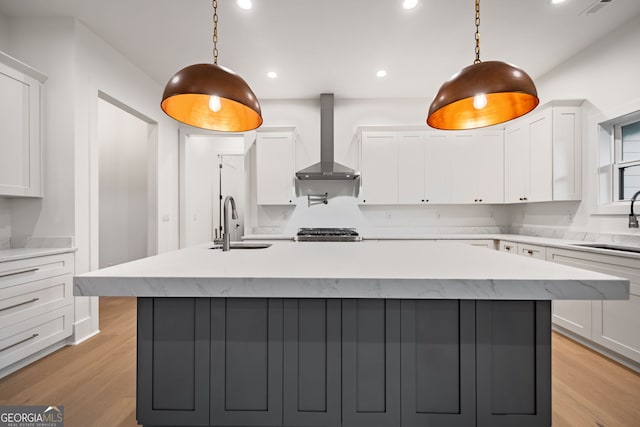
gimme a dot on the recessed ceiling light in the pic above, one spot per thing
(245, 4)
(409, 4)
(272, 75)
(557, 1)
(381, 73)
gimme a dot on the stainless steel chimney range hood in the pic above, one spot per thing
(327, 168)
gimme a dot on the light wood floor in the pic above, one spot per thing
(95, 381)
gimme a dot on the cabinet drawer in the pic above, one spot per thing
(533, 251)
(506, 246)
(31, 269)
(20, 302)
(22, 339)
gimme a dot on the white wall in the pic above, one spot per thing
(80, 66)
(48, 45)
(606, 75)
(349, 114)
(5, 221)
(4, 33)
(123, 188)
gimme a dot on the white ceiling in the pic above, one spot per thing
(337, 46)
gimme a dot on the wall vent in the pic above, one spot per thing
(594, 7)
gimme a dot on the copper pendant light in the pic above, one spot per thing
(210, 96)
(482, 94)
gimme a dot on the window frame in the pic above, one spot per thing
(617, 192)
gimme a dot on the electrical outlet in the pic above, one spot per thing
(285, 215)
(437, 215)
(164, 218)
(570, 216)
(388, 215)
(492, 214)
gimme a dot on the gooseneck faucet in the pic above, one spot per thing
(633, 221)
(226, 237)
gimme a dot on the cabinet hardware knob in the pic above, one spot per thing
(530, 252)
(507, 248)
(479, 200)
(427, 200)
(423, 200)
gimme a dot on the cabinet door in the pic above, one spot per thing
(20, 139)
(312, 366)
(438, 169)
(379, 168)
(465, 165)
(488, 153)
(173, 361)
(246, 362)
(275, 168)
(615, 324)
(567, 153)
(438, 363)
(411, 167)
(540, 157)
(513, 363)
(516, 164)
(370, 363)
(574, 316)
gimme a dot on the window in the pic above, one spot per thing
(626, 169)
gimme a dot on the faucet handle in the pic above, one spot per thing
(633, 221)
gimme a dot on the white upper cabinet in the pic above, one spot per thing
(411, 167)
(542, 155)
(379, 168)
(420, 167)
(478, 174)
(567, 153)
(275, 167)
(438, 170)
(20, 129)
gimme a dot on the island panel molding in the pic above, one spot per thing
(361, 355)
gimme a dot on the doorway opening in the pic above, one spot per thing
(211, 168)
(123, 185)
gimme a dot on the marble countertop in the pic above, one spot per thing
(368, 269)
(13, 254)
(517, 238)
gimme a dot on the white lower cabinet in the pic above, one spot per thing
(36, 306)
(611, 324)
(523, 249)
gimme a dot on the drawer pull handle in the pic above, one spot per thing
(18, 343)
(19, 304)
(28, 270)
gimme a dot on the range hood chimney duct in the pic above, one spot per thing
(327, 169)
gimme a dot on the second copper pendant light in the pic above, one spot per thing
(482, 94)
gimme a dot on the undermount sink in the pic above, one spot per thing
(609, 247)
(244, 245)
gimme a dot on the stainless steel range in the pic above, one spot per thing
(327, 235)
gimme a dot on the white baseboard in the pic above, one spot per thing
(32, 358)
(628, 363)
(82, 331)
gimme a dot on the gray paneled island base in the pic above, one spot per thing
(289, 359)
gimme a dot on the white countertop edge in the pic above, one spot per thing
(15, 254)
(470, 289)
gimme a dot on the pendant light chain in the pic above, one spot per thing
(477, 60)
(215, 32)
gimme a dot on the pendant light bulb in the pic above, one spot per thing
(214, 103)
(479, 101)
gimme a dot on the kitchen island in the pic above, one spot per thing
(373, 333)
